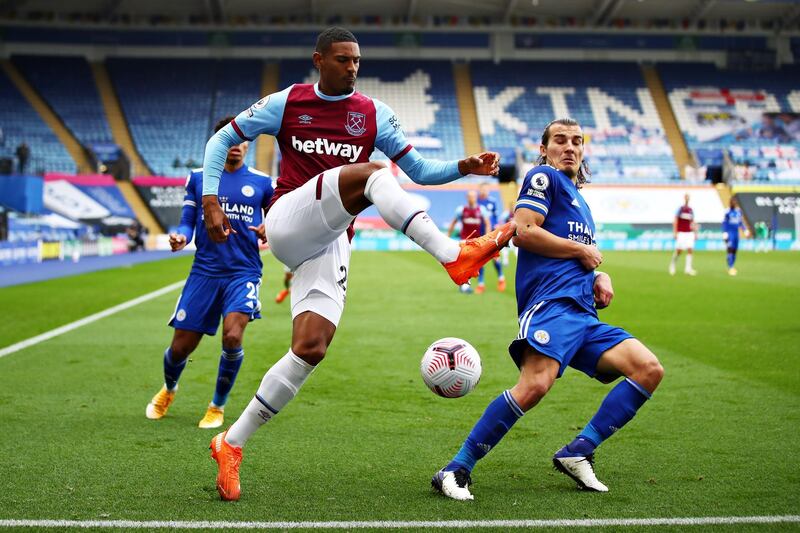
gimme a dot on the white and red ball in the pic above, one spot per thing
(451, 367)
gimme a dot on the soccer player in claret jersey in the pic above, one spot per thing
(683, 229)
(558, 292)
(732, 224)
(493, 210)
(326, 132)
(473, 219)
(224, 280)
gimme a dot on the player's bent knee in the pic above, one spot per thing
(312, 351)
(529, 393)
(232, 339)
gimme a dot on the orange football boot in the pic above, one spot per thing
(158, 406)
(478, 251)
(501, 285)
(228, 459)
(281, 296)
(480, 289)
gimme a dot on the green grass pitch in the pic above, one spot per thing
(361, 441)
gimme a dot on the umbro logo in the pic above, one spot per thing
(575, 202)
(305, 119)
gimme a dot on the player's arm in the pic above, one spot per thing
(185, 231)
(392, 141)
(532, 237)
(603, 290)
(454, 221)
(264, 116)
(675, 227)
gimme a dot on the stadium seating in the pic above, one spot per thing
(171, 105)
(66, 83)
(516, 100)
(422, 93)
(723, 111)
(19, 122)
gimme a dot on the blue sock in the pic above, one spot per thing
(492, 426)
(498, 265)
(172, 370)
(617, 409)
(480, 276)
(229, 363)
(731, 259)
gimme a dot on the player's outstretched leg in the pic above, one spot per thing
(365, 183)
(630, 358)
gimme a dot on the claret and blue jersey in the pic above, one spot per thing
(552, 194)
(243, 195)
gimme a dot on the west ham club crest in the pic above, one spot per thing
(356, 123)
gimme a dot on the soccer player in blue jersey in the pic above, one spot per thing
(491, 207)
(224, 281)
(558, 292)
(731, 225)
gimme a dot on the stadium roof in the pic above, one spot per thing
(776, 13)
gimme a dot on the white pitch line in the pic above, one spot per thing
(379, 524)
(88, 320)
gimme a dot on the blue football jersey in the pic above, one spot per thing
(243, 195)
(552, 194)
(732, 222)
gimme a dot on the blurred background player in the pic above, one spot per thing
(683, 230)
(493, 211)
(761, 230)
(224, 280)
(326, 180)
(731, 225)
(558, 293)
(287, 285)
(473, 219)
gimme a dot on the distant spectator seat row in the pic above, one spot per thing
(626, 141)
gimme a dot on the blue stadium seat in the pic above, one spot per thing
(19, 123)
(719, 110)
(66, 83)
(171, 105)
(515, 100)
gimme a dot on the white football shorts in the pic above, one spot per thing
(684, 240)
(307, 231)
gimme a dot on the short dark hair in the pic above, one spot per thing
(332, 35)
(222, 123)
(583, 173)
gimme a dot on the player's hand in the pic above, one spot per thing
(260, 231)
(484, 164)
(590, 257)
(603, 291)
(725, 236)
(217, 224)
(177, 241)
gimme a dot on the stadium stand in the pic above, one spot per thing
(516, 100)
(751, 118)
(19, 123)
(171, 105)
(422, 93)
(67, 85)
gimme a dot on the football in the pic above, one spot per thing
(451, 367)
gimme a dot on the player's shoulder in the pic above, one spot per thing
(195, 175)
(541, 177)
(256, 172)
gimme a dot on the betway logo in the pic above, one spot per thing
(325, 147)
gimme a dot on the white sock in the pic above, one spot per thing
(688, 262)
(397, 209)
(674, 259)
(279, 386)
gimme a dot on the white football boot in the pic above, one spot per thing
(580, 468)
(453, 484)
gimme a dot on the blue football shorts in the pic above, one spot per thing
(205, 299)
(733, 244)
(566, 332)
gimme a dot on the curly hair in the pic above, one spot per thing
(584, 174)
(222, 123)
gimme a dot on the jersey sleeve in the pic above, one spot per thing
(189, 209)
(391, 140)
(264, 116)
(538, 190)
